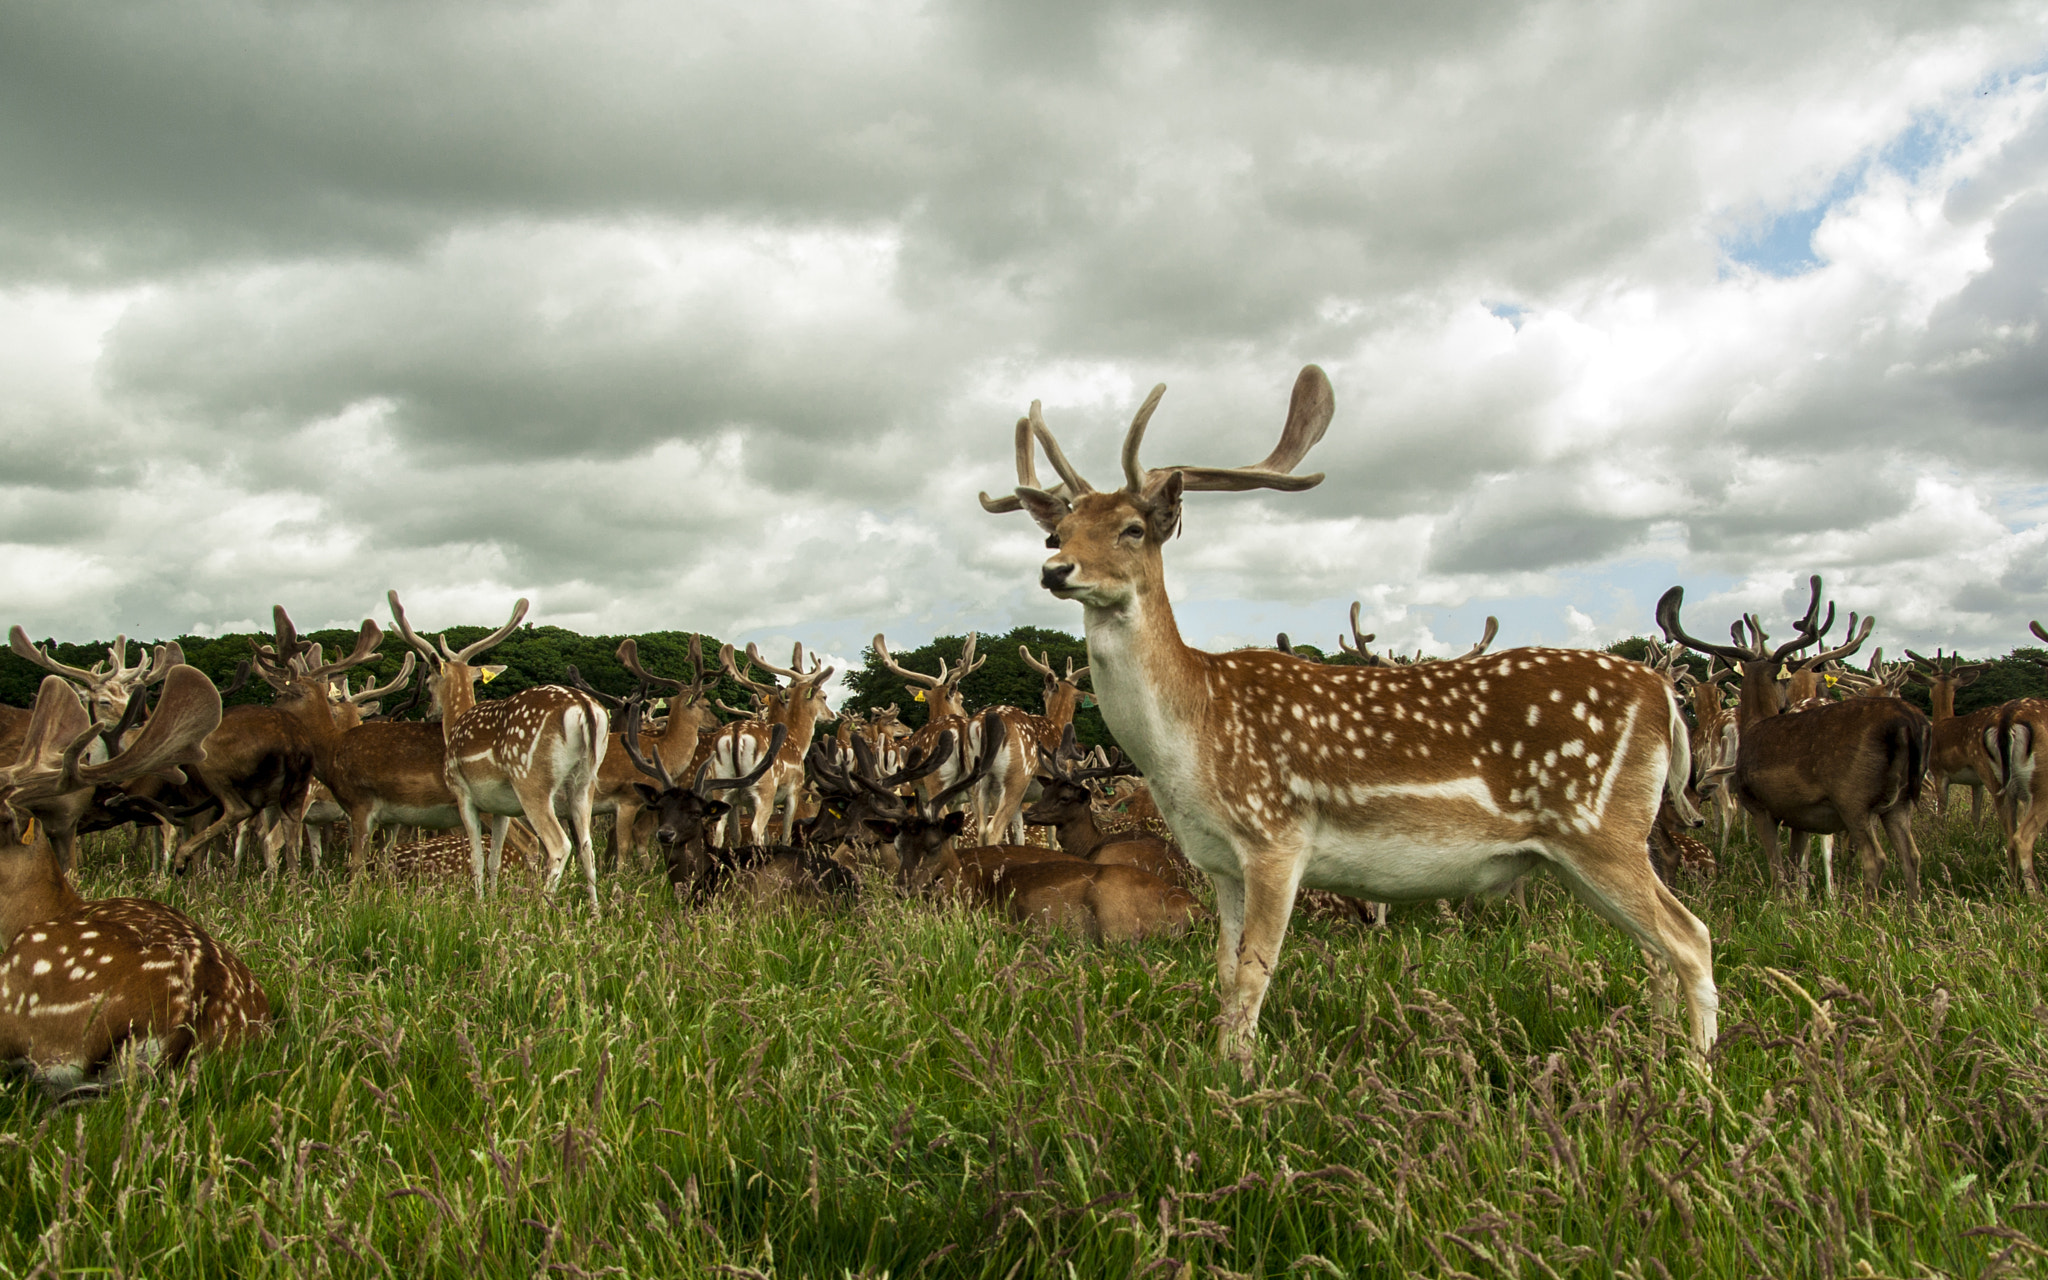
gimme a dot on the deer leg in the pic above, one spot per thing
(1898, 824)
(2028, 819)
(579, 821)
(1767, 836)
(554, 841)
(1615, 880)
(1976, 805)
(1230, 918)
(494, 854)
(471, 824)
(1265, 905)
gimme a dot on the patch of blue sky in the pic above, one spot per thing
(1782, 245)
(1917, 149)
(1512, 312)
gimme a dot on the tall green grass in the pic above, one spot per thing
(512, 1089)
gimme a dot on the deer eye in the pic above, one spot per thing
(1053, 541)
(1133, 530)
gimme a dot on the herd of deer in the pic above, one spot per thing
(1386, 779)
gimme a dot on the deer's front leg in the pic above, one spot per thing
(1264, 906)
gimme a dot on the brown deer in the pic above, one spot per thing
(398, 773)
(534, 755)
(1960, 755)
(1852, 766)
(1030, 885)
(115, 985)
(689, 713)
(107, 689)
(2020, 740)
(945, 713)
(797, 708)
(1067, 805)
(1437, 780)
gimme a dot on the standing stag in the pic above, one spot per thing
(121, 983)
(738, 751)
(534, 755)
(1852, 766)
(394, 772)
(1960, 753)
(1438, 780)
(945, 713)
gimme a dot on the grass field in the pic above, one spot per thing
(512, 1090)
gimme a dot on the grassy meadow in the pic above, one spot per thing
(514, 1090)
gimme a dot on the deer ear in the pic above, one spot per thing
(647, 793)
(881, 827)
(1161, 503)
(954, 823)
(1047, 509)
(716, 808)
(1968, 679)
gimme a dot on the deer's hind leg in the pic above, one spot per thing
(1607, 871)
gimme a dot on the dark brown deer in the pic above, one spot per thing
(698, 868)
(1960, 754)
(1851, 766)
(108, 689)
(89, 989)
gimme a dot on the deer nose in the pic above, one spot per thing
(1054, 576)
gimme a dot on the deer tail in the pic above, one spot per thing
(1679, 771)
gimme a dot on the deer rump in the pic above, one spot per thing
(1828, 769)
(81, 1022)
(1102, 903)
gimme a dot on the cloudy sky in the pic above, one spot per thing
(718, 316)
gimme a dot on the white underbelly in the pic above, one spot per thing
(437, 817)
(1408, 868)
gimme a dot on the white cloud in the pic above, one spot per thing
(668, 320)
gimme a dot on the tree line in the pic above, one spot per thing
(535, 655)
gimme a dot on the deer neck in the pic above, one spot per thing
(458, 692)
(1060, 703)
(318, 717)
(1077, 832)
(33, 888)
(677, 744)
(1941, 695)
(1804, 684)
(802, 719)
(1149, 685)
(1762, 695)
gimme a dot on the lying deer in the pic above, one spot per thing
(686, 820)
(1066, 805)
(1102, 903)
(119, 983)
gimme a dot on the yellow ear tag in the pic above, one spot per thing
(28, 834)
(487, 675)
(917, 697)
(1830, 680)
